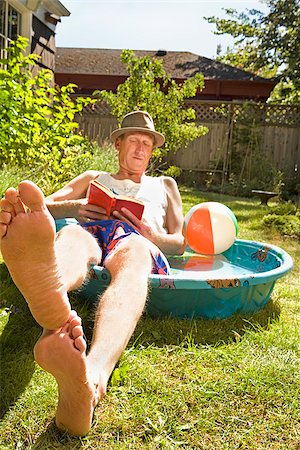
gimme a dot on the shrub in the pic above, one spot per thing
(173, 171)
(285, 218)
(150, 88)
(37, 120)
(103, 158)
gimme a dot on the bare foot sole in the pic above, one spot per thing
(27, 245)
(62, 353)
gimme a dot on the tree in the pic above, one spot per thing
(266, 44)
(37, 120)
(150, 88)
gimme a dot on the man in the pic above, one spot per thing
(45, 265)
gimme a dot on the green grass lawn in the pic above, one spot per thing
(201, 384)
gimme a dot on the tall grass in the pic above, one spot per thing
(181, 384)
(104, 157)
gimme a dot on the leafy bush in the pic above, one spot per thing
(48, 180)
(104, 158)
(37, 120)
(173, 171)
(150, 88)
(286, 218)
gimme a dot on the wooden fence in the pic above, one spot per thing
(237, 131)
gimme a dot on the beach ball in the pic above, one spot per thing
(210, 228)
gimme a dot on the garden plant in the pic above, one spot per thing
(149, 87)
(38, 127)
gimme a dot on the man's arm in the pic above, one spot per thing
(70, 201)
(171, 243)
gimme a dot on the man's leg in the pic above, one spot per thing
(118, 312)
(81, 380)
(42, 266)
(120, 307)
(62, 353)
(45, 268)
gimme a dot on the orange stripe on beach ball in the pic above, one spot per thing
(199, 232)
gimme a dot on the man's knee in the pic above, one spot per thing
(131, 252)
(138, 246)
(77, 237)
(71, 231)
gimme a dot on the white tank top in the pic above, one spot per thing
(151, 191)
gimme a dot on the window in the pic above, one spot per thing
(10, 24)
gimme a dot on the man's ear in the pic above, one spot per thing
(117, 143)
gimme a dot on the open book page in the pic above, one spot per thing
(102, 196)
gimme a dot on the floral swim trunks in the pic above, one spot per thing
(109, 233)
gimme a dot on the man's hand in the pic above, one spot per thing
(79, 209)
(88, 212)
(139, 225)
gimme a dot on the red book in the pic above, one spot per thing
(102, 196)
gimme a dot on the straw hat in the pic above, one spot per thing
(138, 121)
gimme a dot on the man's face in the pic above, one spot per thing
(135, 150)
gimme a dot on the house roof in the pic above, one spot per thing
(53, 6)
(93, 69)
(56, 7)
(179, 65)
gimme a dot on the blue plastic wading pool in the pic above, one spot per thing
(240, 280)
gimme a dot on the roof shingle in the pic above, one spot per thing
(179, 65)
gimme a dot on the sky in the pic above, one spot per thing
(147, 25)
